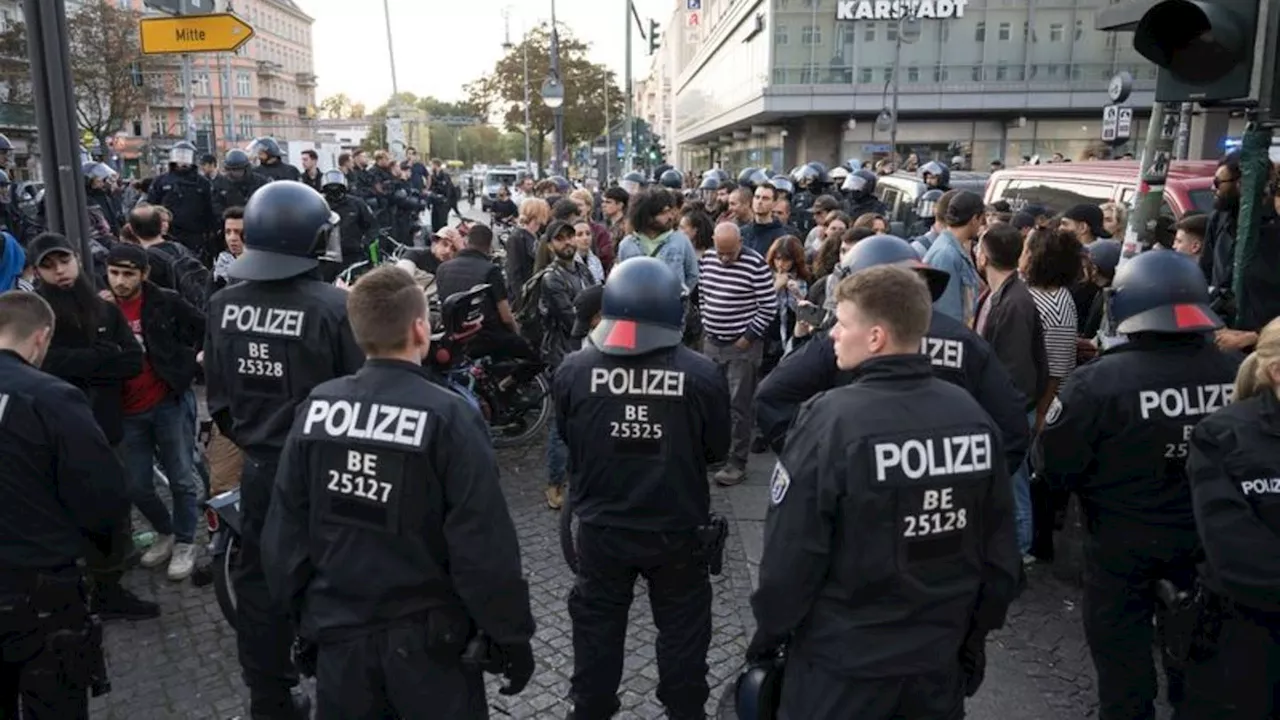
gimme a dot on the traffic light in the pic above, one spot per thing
(1204, 48)
(654, 37)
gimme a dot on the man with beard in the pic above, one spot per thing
(93, 349)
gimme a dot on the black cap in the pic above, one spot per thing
(128, 255)
(585, 307)
(965, 206)
(47, 243)
(1024, 220)
(1090, 215)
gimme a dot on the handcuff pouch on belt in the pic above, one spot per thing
(711, 540)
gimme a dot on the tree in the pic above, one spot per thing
(356, 112)
(336, 107)
(501, 93)
(112, 77)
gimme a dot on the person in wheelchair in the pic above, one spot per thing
(498, 337)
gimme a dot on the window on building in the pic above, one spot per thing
(809, 74)
(888, 74)
(243, 86)
(891, 32)
(1080, 30)
(811, 35)
(780, 35)
(1002, 72)
(1003, 33)
(847, 36)
(135, 127)
(779, 76)
(1057, 32)
(1054, 70)
(864, 75)
(980, 32)
(870, 35)
(158, 126)
(977, 73)
(913, 74)
(940, 73)
(1111, 40)
(202, 84)
(246, 126)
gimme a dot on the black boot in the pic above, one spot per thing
(113, 602)
(297, 706)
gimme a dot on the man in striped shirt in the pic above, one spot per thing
(738, 304)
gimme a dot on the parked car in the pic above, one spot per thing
(900, 191)
(1058, 186)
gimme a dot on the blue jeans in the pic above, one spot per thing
(557, 455)
(166, 432)
(1022, 495)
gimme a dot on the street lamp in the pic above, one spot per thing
(553, 93)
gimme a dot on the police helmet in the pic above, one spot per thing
(752, 178)
(5, 145)
(804, 176)
(716, 173)
(1105, 256)
(783, 185)
(860, 184)
(758, 690)
(672, 178)
(98, 171)
(891, 250)
(852, 164)
(266, 145)
(938, 170)
(182, 153)
(642, 309)
(744, 177)
(1161, 291)
(633, 182)
(823, 177)
(838, 175)
(562, 185)
(288, 229)
(4, 183)
(928, 202)
(710, 183)
(659, 170)
(236, 160)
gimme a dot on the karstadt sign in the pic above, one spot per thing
(897, 9)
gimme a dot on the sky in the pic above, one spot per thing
(440, 46)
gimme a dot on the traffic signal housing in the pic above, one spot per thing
(1204, 48)
(654, 37)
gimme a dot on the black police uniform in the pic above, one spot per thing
(889, 544)
(389, 537)
(279, 170)
(62, 481)
(235, 193)
(357, 226)
(636, 404)
(1118, 435)
(1234, 464)
(269, 342)
(189, 196)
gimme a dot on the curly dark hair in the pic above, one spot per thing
(1055, 259)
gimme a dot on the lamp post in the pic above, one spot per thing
(524, 49)
(553, 94)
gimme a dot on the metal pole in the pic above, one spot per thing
(528, 125)
(188, 100)
(558, 136)
(629, 127)
(386, 13)
(897, 77)
(1183, 144)
(50, 56)
(1157, 153)
(608, 141)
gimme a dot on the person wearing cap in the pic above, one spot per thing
(272, 336)
(635, 403)
(159, 406)
(889, 547)
(93, 349)
(445, 246)
(1085, 221)
(952, 251)
(1117, 436)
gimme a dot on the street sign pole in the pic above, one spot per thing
(47, 47)
(1157, 153)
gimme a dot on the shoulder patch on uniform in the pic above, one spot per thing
(779, 484)
(1054, 412)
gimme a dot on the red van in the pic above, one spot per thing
(1059, 186)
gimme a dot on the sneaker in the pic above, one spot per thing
(730, 475)
(116, 603)
(159, 552)
(1028, 560)
(183, 561)
(555, 496)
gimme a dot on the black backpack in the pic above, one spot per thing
(529, 314)
(189, 277)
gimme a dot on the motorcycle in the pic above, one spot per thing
(222, 515)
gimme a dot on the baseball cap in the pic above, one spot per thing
(126, 255)
(1024, 220)
(46, 244)
(964, 206)
(585, 307)
(449, 233)
(1090, 215)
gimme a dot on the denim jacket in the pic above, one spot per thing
(961, 296)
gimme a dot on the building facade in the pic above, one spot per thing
(781, 82)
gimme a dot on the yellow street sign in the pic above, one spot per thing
(223, 32)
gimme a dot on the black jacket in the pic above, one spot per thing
(61, 477)
(890, 534)
(1117, 433)
(173, 332)
(418, 524)
(957, 355)
(97, 360)
(234, 193)
(657, 420)
(189, 196)
(1234, 465)
(560, 286)
(267, 345)
(357, 225)
(1014, 332)
(279, 170)
(522, 251)
(1217, 258)
(760, 236)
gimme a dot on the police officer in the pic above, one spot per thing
(270, 341)
(189, 197)
(356, 223)
(388, 526)
(1117, 435)
(98, 180)
(672, 179)
(936, 175)
(633, 182)
(62, 482)
(635, 403)
(889, 548)
(955, 352)
(804, 178)
(1234, 463)
(236, 184)
(271, 164)
(859, 190)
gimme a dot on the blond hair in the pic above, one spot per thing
(535, 210)
(1254, 374)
